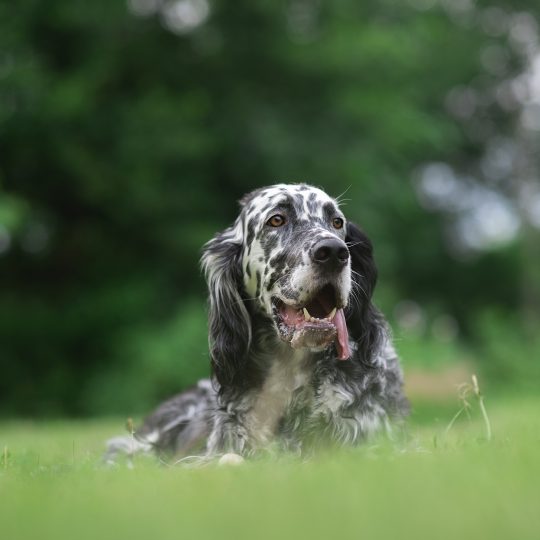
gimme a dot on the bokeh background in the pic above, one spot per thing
(129, 130)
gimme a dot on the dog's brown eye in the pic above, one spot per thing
(276, 221)
(337, 223)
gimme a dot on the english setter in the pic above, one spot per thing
(299, 354)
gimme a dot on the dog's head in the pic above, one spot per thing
(292, 257)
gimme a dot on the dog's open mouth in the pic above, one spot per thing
(316, 324)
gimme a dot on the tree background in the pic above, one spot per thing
(129, 131)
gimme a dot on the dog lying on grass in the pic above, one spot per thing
(300, 356)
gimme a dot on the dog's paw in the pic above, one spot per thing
(230, 459)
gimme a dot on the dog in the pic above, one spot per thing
(300, 356)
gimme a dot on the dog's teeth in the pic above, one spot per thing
(307, 316)
(332, 314)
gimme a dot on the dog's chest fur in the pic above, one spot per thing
(286, 387)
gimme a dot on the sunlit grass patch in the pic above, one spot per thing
(433, 483)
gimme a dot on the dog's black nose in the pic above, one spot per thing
(330, 254)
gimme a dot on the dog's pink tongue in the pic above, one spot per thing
(342, 343)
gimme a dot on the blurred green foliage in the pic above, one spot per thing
(124, 146)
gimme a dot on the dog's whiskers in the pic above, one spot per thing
(339, 198)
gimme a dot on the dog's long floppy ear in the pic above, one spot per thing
(229, 323)
(364, 321)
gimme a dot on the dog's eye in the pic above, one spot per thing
(337, 223)
(276, 221)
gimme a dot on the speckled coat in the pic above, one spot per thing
(278, 384)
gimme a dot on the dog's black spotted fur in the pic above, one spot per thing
(264, 392)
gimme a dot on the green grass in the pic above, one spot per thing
(428, 486)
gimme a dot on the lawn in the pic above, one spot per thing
(430, 485)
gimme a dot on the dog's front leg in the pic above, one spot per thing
(229, 434)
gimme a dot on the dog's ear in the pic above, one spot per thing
(364, 321)
(229, 322)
